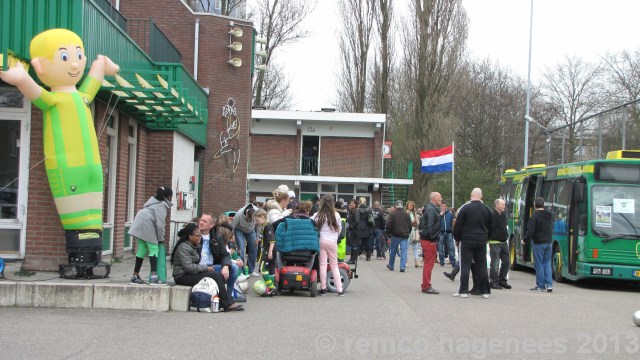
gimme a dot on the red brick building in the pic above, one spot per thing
(316, 153)
(158, 124)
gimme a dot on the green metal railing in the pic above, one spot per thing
(114, 14)
(149, 36)
(397, 169)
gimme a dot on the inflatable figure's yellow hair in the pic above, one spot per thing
(48, 42)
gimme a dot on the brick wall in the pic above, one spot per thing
(222, 188)
(346, 157)
(45, 241)
(271, 154)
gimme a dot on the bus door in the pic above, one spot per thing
(529, 187)
(577, 197)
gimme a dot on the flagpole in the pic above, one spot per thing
(453, 171)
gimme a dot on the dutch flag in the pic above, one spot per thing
(436, 161)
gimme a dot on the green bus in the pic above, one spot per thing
(596, 214)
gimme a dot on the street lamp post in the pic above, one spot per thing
(547, 131)
(526, 123)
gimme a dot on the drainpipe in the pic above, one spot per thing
(195, 50)
(384, 134)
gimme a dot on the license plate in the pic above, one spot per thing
(299, 277)
(636, 273)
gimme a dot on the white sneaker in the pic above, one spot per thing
(460, 295)
(205, 309)
(241, 278)
(255, 274)
(485, 296)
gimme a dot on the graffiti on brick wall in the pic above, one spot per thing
(229, 135)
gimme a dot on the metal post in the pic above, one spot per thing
(600, 136)
(624, 127)
(526, 123)
(548, 148)
(581, 134)
(562, 154)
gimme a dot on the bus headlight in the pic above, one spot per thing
(602, 271)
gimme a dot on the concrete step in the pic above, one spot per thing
(87, 295)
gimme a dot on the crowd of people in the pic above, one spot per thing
(231, 250)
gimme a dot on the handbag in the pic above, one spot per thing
(415, 235)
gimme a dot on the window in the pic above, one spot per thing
(131, 171)
(546, 192)
(111, 166)
(9, 174)
(561, 202)
(328, 188)
(615, 210)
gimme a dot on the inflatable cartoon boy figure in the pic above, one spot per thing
(72, 157)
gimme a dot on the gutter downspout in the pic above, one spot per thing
(384, 134)
(195, 49)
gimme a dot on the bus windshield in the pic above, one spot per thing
(615, 211)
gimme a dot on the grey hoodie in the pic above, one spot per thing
(241, 223)
(149, 223)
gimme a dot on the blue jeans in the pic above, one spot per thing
(542, 264)
(233, 275)
(447, 238)
(395, 241)
(377, 237)
(249, 240)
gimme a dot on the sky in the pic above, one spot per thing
(498, 30)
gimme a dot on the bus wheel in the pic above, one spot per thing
(556, 264)
(513, 261)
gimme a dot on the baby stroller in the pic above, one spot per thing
(298, 244)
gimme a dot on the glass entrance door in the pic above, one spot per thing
(14, 158)
(9, 185)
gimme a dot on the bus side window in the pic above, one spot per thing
(547, 193)
(582, 216)
(561, 202)
(511, 200)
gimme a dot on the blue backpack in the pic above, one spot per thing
(200, 300)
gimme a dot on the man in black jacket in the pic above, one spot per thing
(473, 224)
(429, 230)
(214, 253)
(498, 248)
(398, 229)
(540, 230)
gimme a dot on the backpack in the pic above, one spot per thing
(364, 227)
(202, 293)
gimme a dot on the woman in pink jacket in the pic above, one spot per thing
(328, 221)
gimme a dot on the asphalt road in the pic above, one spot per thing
(384, 315)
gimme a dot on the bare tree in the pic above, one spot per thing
(357, 18)
(623, 77)
(280, 22)
(383, 59)
(275, 91)
(487, 103)
(572, 91)
(433, 49)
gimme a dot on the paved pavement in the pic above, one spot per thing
(121, 272)
(383, 316)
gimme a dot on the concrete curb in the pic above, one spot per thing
(104, 296)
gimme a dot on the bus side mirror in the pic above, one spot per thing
(578, 192)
